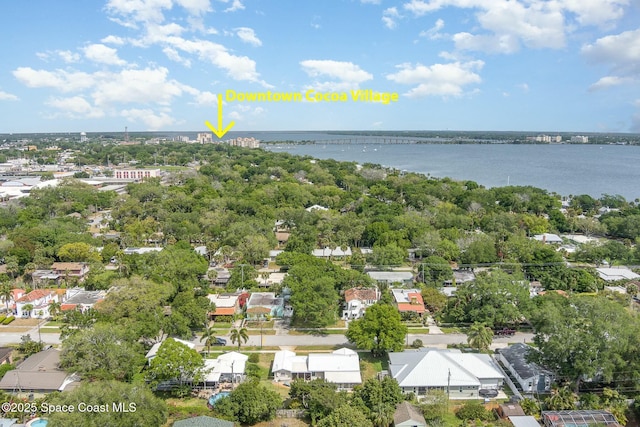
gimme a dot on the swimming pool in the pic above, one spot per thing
(213, 399)
(37, 422)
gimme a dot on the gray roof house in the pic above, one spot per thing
(203, 421)
(462, 375)
(407, 415)
(390, 277)
(531, 376)
(39, 373)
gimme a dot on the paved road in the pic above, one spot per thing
(301, 340)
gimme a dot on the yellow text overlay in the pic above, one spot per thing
(311, 95)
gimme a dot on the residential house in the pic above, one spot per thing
(613, 274)
(264, 304)
(327, 252)
(76, 270)
(282, 237)
(460, 277)
(227, 304)
(36, 303)
(41, 278)
(532, 377)
(523, 421)
(356, 301)
(316, 208)
(342, 367)
(461, 375)
(81, 299)
(227, 368)
(39, 373)
(409, 300)
(392, 277)
(548, 238)
(407, 415)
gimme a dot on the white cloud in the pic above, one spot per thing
(117, 40)
(149, 85)
(506, 25)
(438, 79)
(173, 55)
(138, 10)
(66, 55)
(609, 82)
(524, 87)
(5, 96)
(433, 33)
(103, 54)
(75, 107)
(390, 17)
(195, 7)
(61, 80)
(235, 5)
(345, 75)
(620, 51)
(151, 119)
(247, 35)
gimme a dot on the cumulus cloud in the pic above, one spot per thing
(505, 26)
(66, 55)
(102, 54)
(247, 35)
(64, 81)
(5, 96)
(343, 75)
(75, 107)
(173, 55)
(620, 51)
(438, 79)
(609, 82)
(113, 40)
(235, 5)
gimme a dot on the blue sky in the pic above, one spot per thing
(534, 65)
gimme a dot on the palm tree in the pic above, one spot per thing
(54, 309)
(561, 399)
(239, 336)
(209, 337)
(5, 293)
(479, 336)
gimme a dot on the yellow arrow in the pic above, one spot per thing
(219, 133)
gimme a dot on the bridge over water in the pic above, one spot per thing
(363, 140)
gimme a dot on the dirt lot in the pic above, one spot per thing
(283, 422)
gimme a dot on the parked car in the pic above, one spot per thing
(505, 332)
(220, 341)
(488, 392)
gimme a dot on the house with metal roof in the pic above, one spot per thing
(391, 277)
(409, 300)
(460, 375)
(228, 367)
(341, 367)
(264, 304)
(531, 376)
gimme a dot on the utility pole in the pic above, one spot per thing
(448, 387)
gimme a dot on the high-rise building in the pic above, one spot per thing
(83, 137)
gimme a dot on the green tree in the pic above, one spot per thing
(434, 300)
(141, 407)
(530, 406)
(239, 336)
(175, 362)
(380, 330)
(55, 308)
(250, 403)
(78, 252)
(346, 416)
(473, 410)
(103, 352)
(562, 398)
(388, 256)
(380, 398)
(436, 270)
(479, 336)
(5, 293)
(435, 405)
(319, 397)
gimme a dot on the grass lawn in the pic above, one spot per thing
(264, 332)
(221, 325)
(47, 330)
(279, 422)
(257, 325)
(186, 408)
(451, 330)
(418, 330)
(370, 365)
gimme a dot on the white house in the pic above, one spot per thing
(613, 274)
(356, 301)
(390, 277)
(327, 252)
(227, 368)
(342, 367)
(531, 376)
(36, 303)
(461, 375)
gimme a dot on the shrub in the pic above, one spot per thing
(254, 358)
(416, 343)
(8, 320)
(473, 410)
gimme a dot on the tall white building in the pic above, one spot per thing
(580, 139)
(83, 137)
